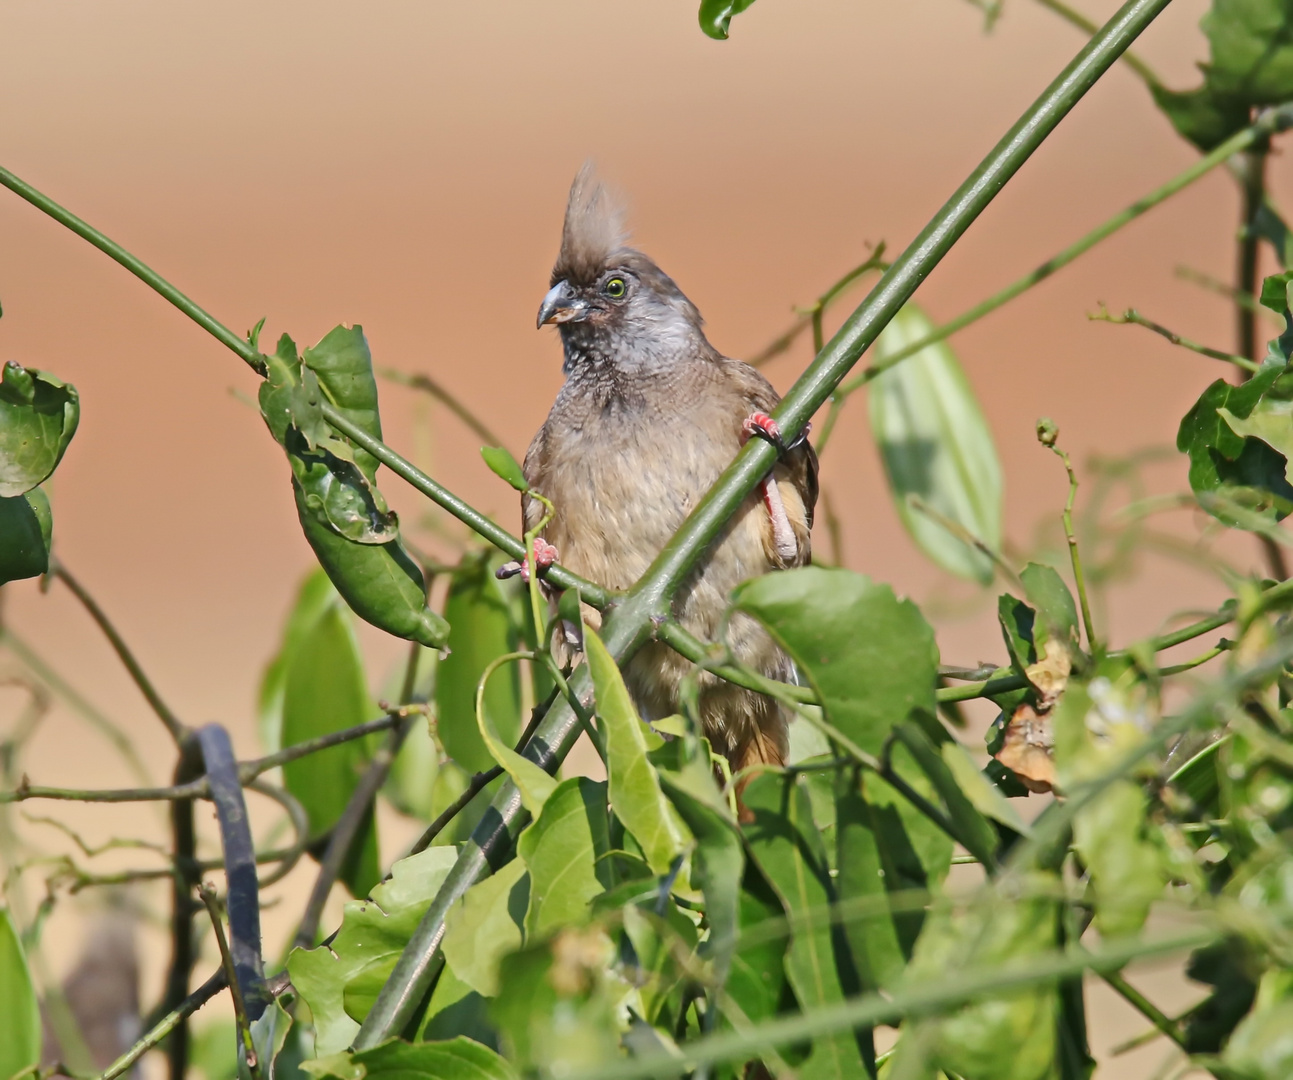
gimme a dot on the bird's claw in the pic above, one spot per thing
(761, 425)
(545, 555)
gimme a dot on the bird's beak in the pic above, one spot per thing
(562, 305)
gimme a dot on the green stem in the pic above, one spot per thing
(166, 1025)
(1132, 317)
(1079, 579)
(628, 625)
(1145, 1007)
(472, 518)
(173, 724)
(107, 728)
(1076, 18)
(1268, 123)
(927, 998)
(149, 277)
(208, 898)
(429, 386)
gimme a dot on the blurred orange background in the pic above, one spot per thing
(404, 165)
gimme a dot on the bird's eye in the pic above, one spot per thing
(615, 288)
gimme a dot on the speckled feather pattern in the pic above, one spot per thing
(649, 416)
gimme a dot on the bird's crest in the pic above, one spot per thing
(593, 232)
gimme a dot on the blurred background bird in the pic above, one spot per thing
(649, 416)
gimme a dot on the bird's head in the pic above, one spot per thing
(611, 302)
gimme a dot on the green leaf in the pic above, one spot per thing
(314, 596)
(871, 657)
(486, 925)
(1003, 1036)
(38, 417)
(1200, 115)
(1018, 622)
(784, 842)
(1057, 616)
(505, 467)
(481, 630)
(456, 1009)
(936, 447)
(560, 1004)
(983, 795)
(717, 866)
(561, 849)
(1262, 1046)
(325, 690)
(452, 1059)
(1127, 869)
(269, 1034)
(1227, 462)
(716, 16)
(634, 786)
(26, 528)
(341, 981)
(1252, 50)
(757, 980)
(20, 1034)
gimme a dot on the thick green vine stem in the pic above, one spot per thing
(630, 620)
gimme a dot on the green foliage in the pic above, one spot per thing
(1251, 64)
(505, 466)
(325, 690)
(564, 852)
(343, 514)
(26, 528)
(937, 450)
(1236, 472)
(871, 657)
(339, 981)
(716, 15)
(482, 630)
(20, 1017)
(38, 417)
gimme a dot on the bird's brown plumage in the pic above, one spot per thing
(649, 416)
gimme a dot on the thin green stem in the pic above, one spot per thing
(557, 576)
(174, 725)
(1075, 557)
(200, 788)
(431, 387)
(208, 897)
(168, 1023)
(927, 998)
(1246, 300)
(241, 346)
(1274, 120)
(1145, 1007)
(62, 688)
(1076, 18)
(1132, 317)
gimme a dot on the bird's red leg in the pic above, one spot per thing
(783, 536)
(544, 556)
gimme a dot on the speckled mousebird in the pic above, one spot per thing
(649, 416)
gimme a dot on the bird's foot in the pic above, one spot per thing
(545, 555)
(761, 425)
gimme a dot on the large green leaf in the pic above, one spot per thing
(1010, 1036)
(481, 631)
(1230, 463)
(314, 595)
(452, 1059)
(871, 657)
(936, 448)
(784, 842)
(561, 849)
(635, 790)
(1262, 1046)
(1251, 64)
(340, 981)
(38, 417)
(26, 528)
(486, 925)
(342, 513)
(325, 690)
(559, 1006)
(20, 1016)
